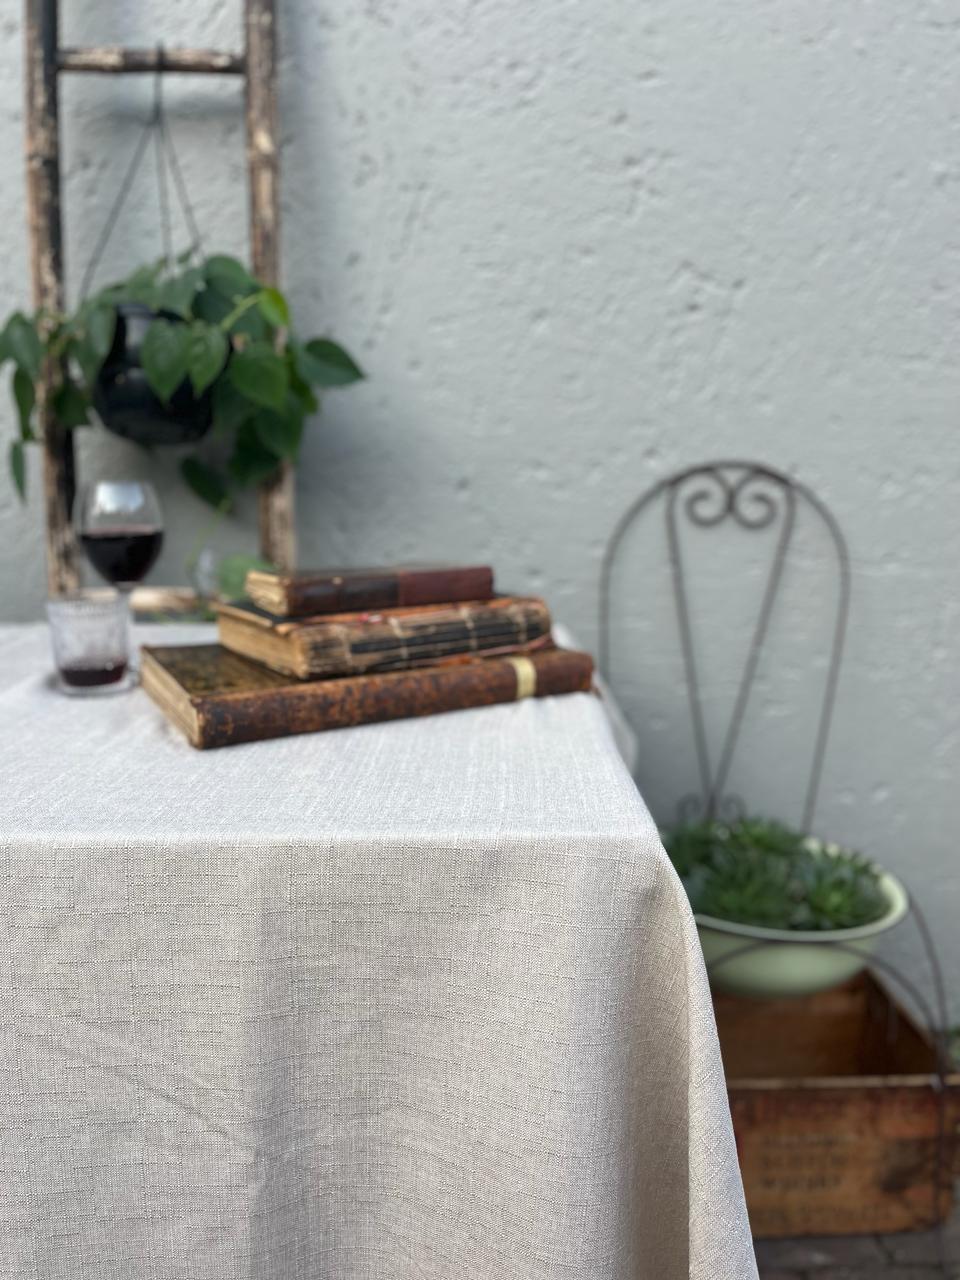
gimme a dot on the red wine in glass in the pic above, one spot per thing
(121, 529)
(122, 554)
(92, 675)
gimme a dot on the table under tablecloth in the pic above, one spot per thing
(422, 999)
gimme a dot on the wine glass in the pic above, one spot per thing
(121, 529)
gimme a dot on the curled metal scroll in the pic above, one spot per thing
(755, 498)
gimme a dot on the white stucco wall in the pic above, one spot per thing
(576, 245)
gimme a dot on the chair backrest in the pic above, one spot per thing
(752, 497)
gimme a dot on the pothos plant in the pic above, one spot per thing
(213, 331)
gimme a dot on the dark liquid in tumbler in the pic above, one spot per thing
(122, 555)
(87, 677)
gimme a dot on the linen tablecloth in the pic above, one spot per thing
(422, 999)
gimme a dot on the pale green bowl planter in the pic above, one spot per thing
(792, 962)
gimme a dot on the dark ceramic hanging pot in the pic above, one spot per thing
(125, 401)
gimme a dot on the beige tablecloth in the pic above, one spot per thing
(421, 1000)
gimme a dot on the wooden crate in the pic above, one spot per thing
(836, 1113)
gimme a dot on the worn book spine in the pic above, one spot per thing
(384, 640)
(301, 595)
(226, 719)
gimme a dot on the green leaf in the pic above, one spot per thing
(211, 306)
(100, 325)
(281, 433)
(306, 399)
(230, 408)
(228, 276)
(261, 375)
(232, 574)
(325, 364)
(252, 325)
(163, 355)
(24, 398)
(89, 337)
(18, 467)
(206, 483)
(141, 286)
(79, 349)
(206, 353)
(274, 307)
(251, 462)
(23, 343)
(177, 295)
(71, 406)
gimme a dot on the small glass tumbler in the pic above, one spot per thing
(90, 634)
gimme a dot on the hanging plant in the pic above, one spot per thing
(167, 355)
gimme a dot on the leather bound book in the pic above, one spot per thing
(218, 698)
(306, 593)
(383, 640)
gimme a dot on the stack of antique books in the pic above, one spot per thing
(328, 649)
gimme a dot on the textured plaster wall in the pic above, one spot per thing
(577, 244)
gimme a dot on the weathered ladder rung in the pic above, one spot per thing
(113, 59)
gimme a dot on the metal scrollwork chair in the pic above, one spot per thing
(756, 499)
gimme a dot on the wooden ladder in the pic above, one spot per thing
(45, 61)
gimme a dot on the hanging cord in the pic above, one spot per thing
(186, 208)
(165, 154)
(114, 213)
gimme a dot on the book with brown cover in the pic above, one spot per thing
(342, 644)
(218, 698)
(309, 592)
